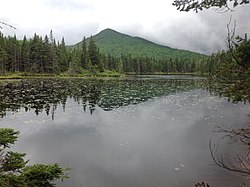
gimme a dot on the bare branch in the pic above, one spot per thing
(239, 164)
(6, 24)
(202, 184)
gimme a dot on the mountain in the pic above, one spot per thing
(112, 42)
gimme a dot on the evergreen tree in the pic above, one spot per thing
(3, 54)
(15, 173)
(25, 60)
(63, 56)
(53, 54)
(93, 52)
(35, 54)
(119, 66)
(74, 62)
(46, 56)
(84, 53)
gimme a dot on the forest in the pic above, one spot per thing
(45, 55)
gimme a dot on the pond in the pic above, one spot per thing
(137, 132)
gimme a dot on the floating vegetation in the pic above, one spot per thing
(46, 95)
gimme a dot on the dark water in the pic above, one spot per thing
(140, 132)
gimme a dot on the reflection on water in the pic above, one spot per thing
(46, 94)
(142, 133)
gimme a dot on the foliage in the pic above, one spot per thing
(199, 5)
(15, 173)
(242, 52)
(231, 72)
(118, 44)
(7, 137)
(117, 52)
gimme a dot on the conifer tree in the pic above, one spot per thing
(35, 52)
(46, 55)
(3, 54)
(15, 173)
(25, 60)
(53, 54)
(93, 52)
(84, 53)
(63, 56)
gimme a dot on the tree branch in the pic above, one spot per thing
(199, 5)
(6, 24)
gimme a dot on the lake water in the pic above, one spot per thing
(139, 132)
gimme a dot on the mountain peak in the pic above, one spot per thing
(115, 43)
(108, 32)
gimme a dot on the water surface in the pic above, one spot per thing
(117, 133)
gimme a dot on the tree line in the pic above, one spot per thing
(46, 55)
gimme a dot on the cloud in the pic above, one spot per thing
(156, 20)
(73, 5)
(204, 32)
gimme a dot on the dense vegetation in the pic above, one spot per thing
(136, 55)
(13, 169)
(117, 44)
(46, 56)
(230, 71)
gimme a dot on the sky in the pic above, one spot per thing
(154, 20)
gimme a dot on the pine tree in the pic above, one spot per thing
(119, 66)
(3, 54)
(35, 55)
(47, 59)
(93, 52)
(84, 53)
(63, 56)
(53, 54)
(25, 60)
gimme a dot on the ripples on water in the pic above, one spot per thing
(135, 132)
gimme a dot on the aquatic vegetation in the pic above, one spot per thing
(46, 95)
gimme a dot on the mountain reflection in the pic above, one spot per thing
(40, 95)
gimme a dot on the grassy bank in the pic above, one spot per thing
(168, 73)
(86, 73)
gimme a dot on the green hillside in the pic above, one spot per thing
(117, 44)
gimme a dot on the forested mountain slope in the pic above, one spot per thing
(117, 44)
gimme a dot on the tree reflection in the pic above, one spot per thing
(45, 95)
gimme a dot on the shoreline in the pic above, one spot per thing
(16, 76)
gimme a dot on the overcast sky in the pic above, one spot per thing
(155, 20)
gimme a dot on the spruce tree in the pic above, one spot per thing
(3, 54)
(47, 59)
(53, 54)
(35, 54)
(93, 52)
(84, 53)
(63, 56)
(25, 60)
